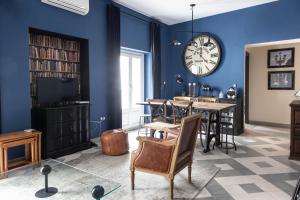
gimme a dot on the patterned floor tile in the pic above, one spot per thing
(237, 168)
(236, 185)
(275, 166)
(271, 150)
(286, 182)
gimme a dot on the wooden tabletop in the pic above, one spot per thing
(5, 137)
(200, 105)
(212, 106)
(160, 126)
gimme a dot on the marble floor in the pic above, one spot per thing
(259, 169)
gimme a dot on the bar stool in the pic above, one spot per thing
(226, 126)
(144, 116)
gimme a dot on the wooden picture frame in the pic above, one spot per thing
(281, 57)
(281, 80)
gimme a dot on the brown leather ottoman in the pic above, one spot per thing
(114, 142)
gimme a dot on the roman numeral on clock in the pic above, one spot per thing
(212, 62)
(213, 47)
(214, 55)
(189, 63)
(188, 57)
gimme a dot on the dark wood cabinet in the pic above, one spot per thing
(295, 130)
(237, 115)
(65, 129)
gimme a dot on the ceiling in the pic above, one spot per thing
(177, 11)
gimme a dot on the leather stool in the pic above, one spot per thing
(114, 142)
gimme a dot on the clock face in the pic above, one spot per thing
(202, 57)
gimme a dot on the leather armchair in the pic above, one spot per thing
(167, 157)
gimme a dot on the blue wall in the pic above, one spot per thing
(269, 22)
(18, 15)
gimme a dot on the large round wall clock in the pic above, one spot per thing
(202, 55)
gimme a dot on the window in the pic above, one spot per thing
(132, 87)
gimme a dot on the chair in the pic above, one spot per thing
(227, 128)
(158, 112)
(180, 109)
(167, 157)
(182, 98)
(143, 116)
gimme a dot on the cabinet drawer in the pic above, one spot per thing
(296, 147)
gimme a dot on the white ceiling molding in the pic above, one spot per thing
(176, 11)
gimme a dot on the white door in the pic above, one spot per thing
(132, 86)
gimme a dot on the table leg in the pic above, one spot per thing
(32, 152)
(27, 152)
(207, 135)
(217, 137)
(5, 157)
(40, 148)
(1, 159)
(36, 150)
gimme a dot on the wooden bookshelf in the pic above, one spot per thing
(58, 56)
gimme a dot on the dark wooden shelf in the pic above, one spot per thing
(48, 47)
(54, 71)
(47, 59)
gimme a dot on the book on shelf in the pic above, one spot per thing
(54, 42)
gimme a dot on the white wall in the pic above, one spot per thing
(265, 105)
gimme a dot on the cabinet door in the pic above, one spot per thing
(297, 117)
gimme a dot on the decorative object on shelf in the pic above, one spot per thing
(190, 89)
(281, 58)
(232, 92)
(207, 89)
(221, 94)
(297, 95)
(281, 80)
(47, 191)
(195, 90)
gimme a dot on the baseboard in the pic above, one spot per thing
(269, 124)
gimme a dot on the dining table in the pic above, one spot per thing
(212, 109)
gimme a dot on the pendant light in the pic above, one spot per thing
(176, 42)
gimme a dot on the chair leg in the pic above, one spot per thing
(171, 188)
(132, 180)
(190, 172)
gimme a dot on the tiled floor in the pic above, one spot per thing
(259, 169)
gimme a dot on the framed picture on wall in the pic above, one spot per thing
(281, 58)
(281, 80)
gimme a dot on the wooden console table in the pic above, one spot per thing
(32, 142)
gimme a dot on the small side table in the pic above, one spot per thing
(161, 126)
(32, 142)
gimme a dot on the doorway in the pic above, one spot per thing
(132, 87)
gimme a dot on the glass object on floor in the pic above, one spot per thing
(71, 182)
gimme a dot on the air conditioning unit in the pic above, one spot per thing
(77, 6)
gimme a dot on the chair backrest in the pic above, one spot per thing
(207, 99)
(186, 139)
(180, 109)
(182, 98)
(157, 107)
